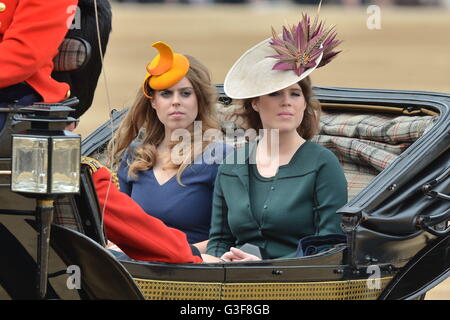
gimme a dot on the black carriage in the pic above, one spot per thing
(394, 148)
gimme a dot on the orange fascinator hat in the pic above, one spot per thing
(166, 69)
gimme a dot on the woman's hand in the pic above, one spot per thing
(236, 255)
(210, 259)
(201, 246)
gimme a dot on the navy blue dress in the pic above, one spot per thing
(186, 208)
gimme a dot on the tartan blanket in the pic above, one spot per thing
(66, 213)
(385, 128)
(368, 143)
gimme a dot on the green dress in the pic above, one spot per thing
(275, 213)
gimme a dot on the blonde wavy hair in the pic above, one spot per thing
(142, 122)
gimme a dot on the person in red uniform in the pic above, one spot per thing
(137, 234)
(30, 34)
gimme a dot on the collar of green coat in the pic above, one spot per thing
(304, 161)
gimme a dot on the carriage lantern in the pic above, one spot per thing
(45, 165)
(46, 160)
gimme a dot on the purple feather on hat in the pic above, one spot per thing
(303, 44)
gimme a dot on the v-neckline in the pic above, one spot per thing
(165, 182)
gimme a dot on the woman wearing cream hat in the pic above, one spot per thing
(177, 91)
(273, 202)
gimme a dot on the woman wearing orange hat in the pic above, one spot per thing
(171, 183)
(273, 202)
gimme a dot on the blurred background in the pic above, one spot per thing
(299, 2)
(388, 44)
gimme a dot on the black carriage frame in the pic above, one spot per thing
(425, 248)
(417, 261)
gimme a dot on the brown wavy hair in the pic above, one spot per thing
(142, 122)
(310, 123)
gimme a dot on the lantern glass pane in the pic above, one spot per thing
(66, 165)
(29, 165)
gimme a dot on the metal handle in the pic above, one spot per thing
(428, 222)
(437, 195)
(427, 187)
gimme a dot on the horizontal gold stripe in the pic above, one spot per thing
(330, 290)
(45, 203)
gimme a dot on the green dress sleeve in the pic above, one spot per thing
(331, 194)
(220, 235)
